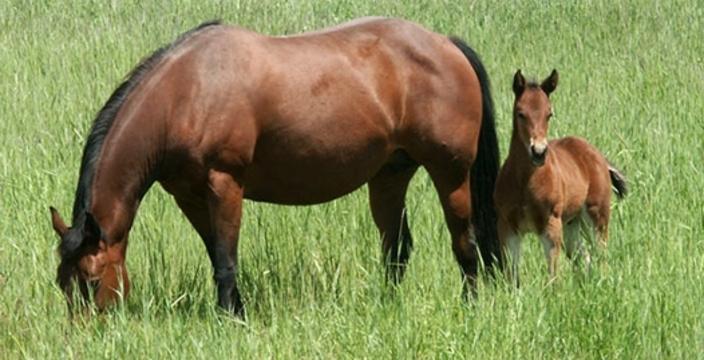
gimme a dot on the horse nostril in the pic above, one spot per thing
(538, 151)
(537, 154)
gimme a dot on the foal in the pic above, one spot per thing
(549, 187)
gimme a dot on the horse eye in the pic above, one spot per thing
(521, 116)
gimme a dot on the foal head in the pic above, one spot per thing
(531, 112)
(89, 262)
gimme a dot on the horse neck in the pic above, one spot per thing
(126, 170)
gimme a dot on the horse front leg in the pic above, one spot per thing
(511, 250)
(224, 198)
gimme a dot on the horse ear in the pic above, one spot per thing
(519, 83)
(91, 229)
(550, 83)
(57, 222)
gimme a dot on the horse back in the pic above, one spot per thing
(417, 81)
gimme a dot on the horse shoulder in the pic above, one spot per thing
(207, 71)
(510, 198)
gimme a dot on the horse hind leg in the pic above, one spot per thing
(387, 192)
(599, 218)
(452, 184)
(575, 247)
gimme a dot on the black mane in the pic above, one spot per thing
(101, 126)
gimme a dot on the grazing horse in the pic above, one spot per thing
(550, 187)
(225, 114)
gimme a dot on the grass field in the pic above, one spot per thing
(631, 82)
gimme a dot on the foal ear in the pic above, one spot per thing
(91, 229)
(57, 222)
(550, 83)
(519, 83)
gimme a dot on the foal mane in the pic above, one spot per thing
(532, 84)
(99, 131)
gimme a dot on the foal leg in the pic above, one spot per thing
(574, 245)
(224, 200)
(599, 216)
(511, 244)
(387, 192)
(552, 242)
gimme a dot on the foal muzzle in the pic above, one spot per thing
(538, 152)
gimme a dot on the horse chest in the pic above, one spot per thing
(529, 213)
(526, 220)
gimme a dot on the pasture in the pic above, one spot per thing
(630, 82)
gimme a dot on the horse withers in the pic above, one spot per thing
(225, 114)
(551, 187)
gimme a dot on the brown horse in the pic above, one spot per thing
(225, 114)
(550, 187)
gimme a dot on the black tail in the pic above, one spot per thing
(485, 168)
(618, 181)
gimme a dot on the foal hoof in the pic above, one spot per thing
(236, 309)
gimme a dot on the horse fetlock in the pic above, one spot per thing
(226, 275)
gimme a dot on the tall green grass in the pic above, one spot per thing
(631, 82)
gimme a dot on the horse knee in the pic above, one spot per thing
(466, 252)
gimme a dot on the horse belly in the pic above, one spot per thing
(296, 174)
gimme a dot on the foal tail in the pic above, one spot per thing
(618, 181)
(485, 168)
